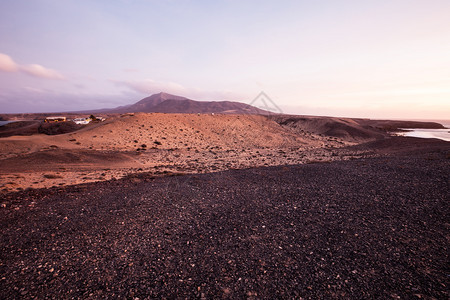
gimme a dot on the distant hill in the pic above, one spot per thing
(349, 129)
(167, 103)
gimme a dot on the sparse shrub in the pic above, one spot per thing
(157, 142)
(52, 176)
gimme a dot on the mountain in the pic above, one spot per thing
(146, 104)
(167, 103)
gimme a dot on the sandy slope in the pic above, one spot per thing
(157, 143)
(185, 130)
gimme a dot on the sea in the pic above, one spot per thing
(5, 122)
(443, 134)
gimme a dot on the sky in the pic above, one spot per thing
(376, 59)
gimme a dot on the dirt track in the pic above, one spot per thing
(366, 228)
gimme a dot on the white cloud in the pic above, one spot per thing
(7, 64)
(40, 71)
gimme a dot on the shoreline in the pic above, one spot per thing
(442, 134)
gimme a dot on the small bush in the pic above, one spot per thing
(52, 176)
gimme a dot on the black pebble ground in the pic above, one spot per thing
(364, 229)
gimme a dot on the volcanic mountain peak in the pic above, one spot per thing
(167, 103)
(160, 97)
(156, 99)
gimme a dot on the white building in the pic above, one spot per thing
(82, 121)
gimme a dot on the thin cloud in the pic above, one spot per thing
(7, 64)
(150, 86)
(34, 90)
(40, 71)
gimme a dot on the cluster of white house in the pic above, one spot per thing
(76, 120)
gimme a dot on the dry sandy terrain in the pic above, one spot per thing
(319, 208)
(161, 143)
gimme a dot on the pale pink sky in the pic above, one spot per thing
(380, 59)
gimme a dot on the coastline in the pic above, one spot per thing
(442, 134)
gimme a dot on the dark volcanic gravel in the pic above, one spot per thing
(371, 228)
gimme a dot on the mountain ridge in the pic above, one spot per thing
(167, 103)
